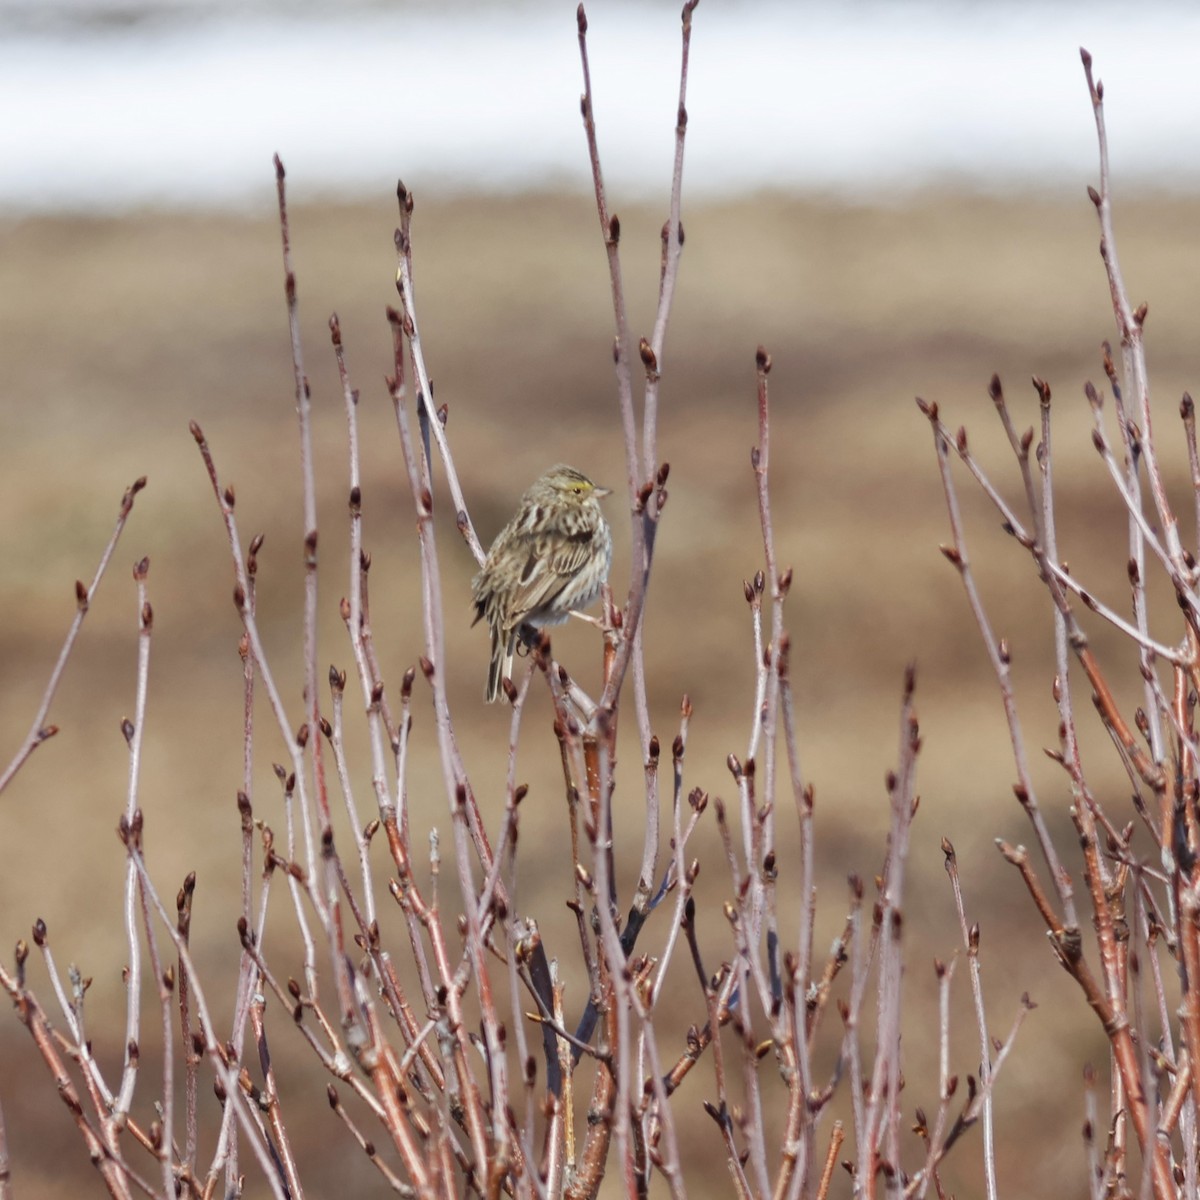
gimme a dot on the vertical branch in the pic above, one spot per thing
(883, 1111)
(354, 622)
(268, 1101)
(310, 735)
(1048, 541)
(312, 705)
(133, 731)
(610, 229)
(651, 352)
(672, 245)
(163, 1136)
(1130, 324)
(935, 1137)
(970, 936)
(767, 715)
(247, 975)
(1137, 548)
(614, 969)
(1098, 1176)
(798, 970)
(1187, 413)
(645, 490)
(418, 469)
(191, 1060)
(436, 427)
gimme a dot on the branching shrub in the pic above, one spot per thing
(446, 1023)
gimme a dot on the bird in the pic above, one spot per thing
(550, 560)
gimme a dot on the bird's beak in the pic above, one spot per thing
(600, 492)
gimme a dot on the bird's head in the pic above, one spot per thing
(573, 485)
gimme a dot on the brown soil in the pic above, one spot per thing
(117, 332)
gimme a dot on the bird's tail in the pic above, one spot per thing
(501, 664)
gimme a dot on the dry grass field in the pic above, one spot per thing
(115, 333)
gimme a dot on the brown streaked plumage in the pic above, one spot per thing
(551, 559)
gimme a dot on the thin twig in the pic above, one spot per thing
(39, 731)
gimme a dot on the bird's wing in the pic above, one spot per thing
(549, 566)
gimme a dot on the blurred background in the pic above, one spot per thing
(890, 197)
